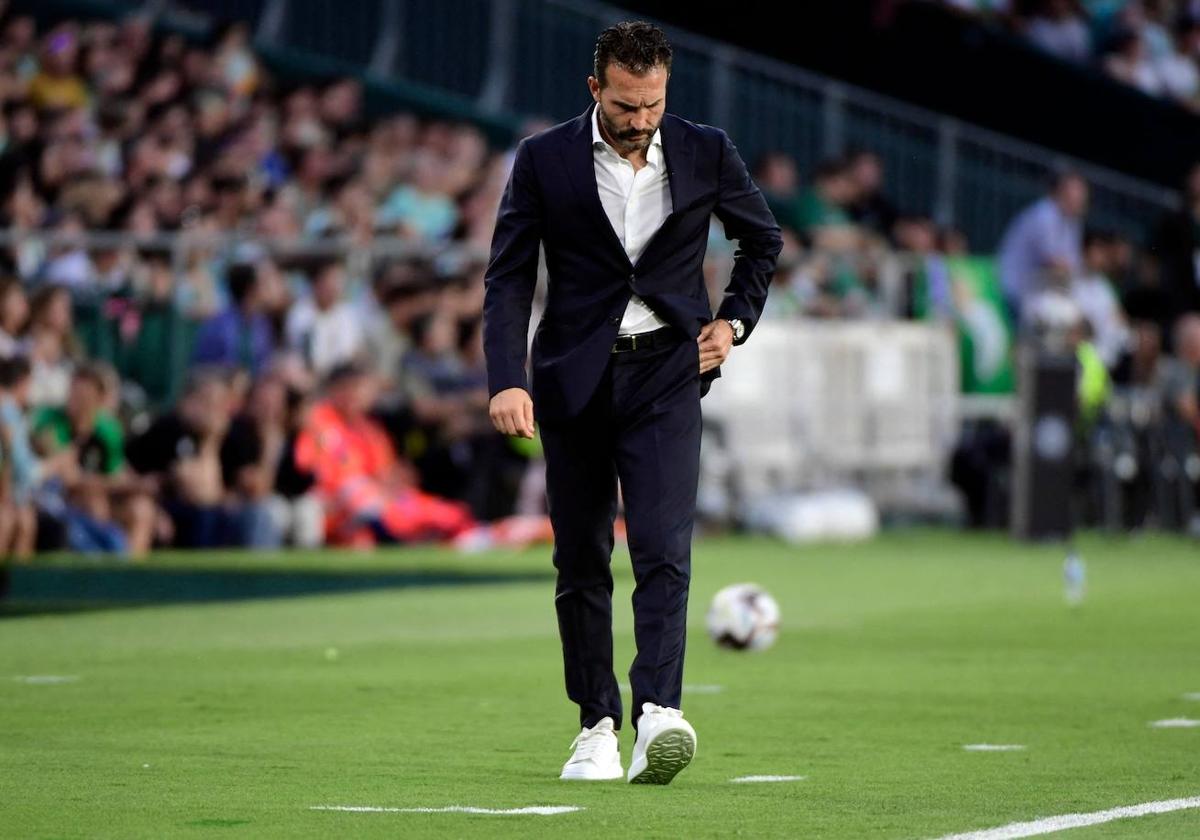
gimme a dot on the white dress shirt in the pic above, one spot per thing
(636, 204)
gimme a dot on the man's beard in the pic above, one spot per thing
(629, 140)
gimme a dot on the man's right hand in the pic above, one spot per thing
(511, 411)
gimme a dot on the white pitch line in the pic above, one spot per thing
(993, 747)
(769, 779)
(47, 679)
(538, 810)
(1049, 825)
(1175, 723)
(1192, 695)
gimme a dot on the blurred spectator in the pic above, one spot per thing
(180, 453)
(51, 346)
(1093, 293)
(822, 212)
(240, 336)
(1146, 18)
(386, 339)
(1181, 381)
(1130, 63)
(295, 505)
(422, 209)
(105, 509)
(14, 315)
(823, 208)
(776, 175)
(234, 60)
(323, 327)
(1042, 246)
(369, 494)
(1060, 28)
(1176, 244)
(449, 399)
(1145, 300)
(57, 86)
(1142, 368)
(23, 472)
(869, 208)
(38, 484)
(258, 468)
(1178, 69)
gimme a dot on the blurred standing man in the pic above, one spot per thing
(1043, 246)
(620, 197)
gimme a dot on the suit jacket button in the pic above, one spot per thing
(615, 320)
(632, 277)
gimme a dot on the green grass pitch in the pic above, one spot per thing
(234, 719)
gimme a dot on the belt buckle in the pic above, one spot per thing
(633, 341)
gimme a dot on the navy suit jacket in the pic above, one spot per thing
(551, 198)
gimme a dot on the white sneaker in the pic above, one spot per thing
(597, 754)
(665, 745)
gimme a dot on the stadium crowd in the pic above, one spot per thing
(244, 395)
(318, 405)
(1152, 45)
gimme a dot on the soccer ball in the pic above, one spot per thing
(743, 617)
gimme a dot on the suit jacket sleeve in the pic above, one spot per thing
(512, 276)
(744, 213)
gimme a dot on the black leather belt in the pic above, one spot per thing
(641, 341)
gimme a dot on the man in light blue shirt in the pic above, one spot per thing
(1043, 245)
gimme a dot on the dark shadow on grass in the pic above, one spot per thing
(32, 590)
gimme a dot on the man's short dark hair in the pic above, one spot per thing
(13, 369)
(635, 45)
(201, 377)
(240, 280)
(1059, 176)
(830, 168)
(93, 373)
(346, 371)
(322, 265)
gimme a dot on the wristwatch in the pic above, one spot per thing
(739, 328)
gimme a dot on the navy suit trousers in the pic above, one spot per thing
(641, 427)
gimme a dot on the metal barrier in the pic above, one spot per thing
(813, 403)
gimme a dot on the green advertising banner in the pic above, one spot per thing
(967, 289)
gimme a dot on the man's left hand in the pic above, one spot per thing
(715, 340)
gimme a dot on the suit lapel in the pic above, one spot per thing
(681, 162)
(581, 170)
(678, 152)
(680, 159)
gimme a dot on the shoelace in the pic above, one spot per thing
(663, 710)
(589, 742)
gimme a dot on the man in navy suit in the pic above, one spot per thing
(620, 197)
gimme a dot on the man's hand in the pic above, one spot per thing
(715, 340)
(511, 411)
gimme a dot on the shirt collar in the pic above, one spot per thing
(653, 154)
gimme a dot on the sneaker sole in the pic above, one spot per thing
(666, 755)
